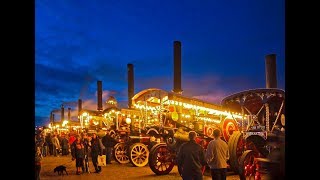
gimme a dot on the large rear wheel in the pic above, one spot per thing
(160, 159)
(246, 165)
(236, 145)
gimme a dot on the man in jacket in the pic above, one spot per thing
(108, 143)
(191, 159)
(217, 155)
(96, 150)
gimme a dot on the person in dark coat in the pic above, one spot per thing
(64, 145)
(108, 141)
(96, 150)
(86, 151)
(78, 153)
(191, 159)
(49, 144)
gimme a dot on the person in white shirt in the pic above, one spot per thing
(216, 156)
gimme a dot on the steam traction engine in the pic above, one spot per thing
(263, 109)
(160, 122)
(170, 117)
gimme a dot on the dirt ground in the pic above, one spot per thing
(114, 171)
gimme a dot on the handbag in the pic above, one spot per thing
(102, 160)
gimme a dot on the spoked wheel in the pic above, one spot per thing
(235, 144)
(138, 154)
(120, 153)
(160, 159)
(246, 165)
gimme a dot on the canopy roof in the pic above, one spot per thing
(253, 99)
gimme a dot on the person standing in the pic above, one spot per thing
(191, 159)
(64, 145)
(96, 150)
(78, 153)
(86, 151)
(108, 141)
(56, 145)
(217, 155)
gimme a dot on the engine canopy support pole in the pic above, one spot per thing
(277, 116)
(267, 117)
(242, 114)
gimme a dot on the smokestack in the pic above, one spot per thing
(177, 67)
(130, 84)
(51, 120)
(62, 113)
(271, 71)
(99, 84)
(52, 117)
(79, 105)
(69, 114)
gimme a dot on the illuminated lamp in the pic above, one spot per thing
(84, 114)
(128, 120)
(172, 108)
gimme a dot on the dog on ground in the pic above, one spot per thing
(60, 169)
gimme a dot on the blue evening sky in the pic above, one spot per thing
(79, 42)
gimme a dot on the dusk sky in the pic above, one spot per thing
(224, 43)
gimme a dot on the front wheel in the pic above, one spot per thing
(120, 153)
(138, 154)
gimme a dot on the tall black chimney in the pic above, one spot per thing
(69, 114)
(51, 119)
(79, 105)
(62, 113)
(271, 71)
(99, 84)
(177, 67)
(130, 84)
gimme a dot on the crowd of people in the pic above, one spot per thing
(191, 157)
(79, 145)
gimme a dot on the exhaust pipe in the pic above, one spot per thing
(130, 84)
(79, 106)
(271, 71)
(177, 67)
(62, 113)
(99, 84)
(69, 114)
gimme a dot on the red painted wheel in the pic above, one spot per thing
(161, 159)
(228, 127)
(246, 164)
